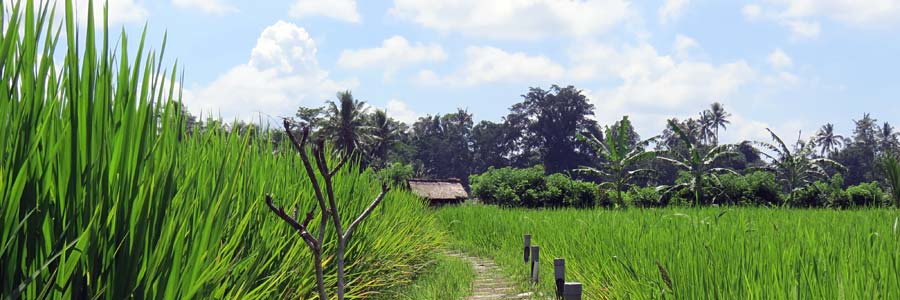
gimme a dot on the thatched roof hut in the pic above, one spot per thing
(439, 191)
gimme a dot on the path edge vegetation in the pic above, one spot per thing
(106, 195)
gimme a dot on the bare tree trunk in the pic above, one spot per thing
(320, 276)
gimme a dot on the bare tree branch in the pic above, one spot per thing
(384, 190)
(340, 165)
(299, 227)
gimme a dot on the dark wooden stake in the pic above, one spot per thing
(527, 247)
(572, 291)
(559, 273)
(535, 263)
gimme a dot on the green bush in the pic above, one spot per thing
(865, 194)
(529, 187)
(817, 194)
(395, 174)
(762, 189)
(645, 197)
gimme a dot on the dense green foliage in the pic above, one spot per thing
(105, 196)
(532, 188)
(706, 253)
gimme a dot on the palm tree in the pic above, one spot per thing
(887, 138)
(797, 168)
(716, 117)
(618, 155)
(700, 165)
(827, 139)
(346, 123)
(705, 132)
(384, 134)
(865, 130)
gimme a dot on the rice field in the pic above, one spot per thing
(106, 196)
(709, 253)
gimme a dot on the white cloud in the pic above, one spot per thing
(779, 60)
(400, 111)
(121, 11)
(516, 19)
(671, 10)
(683, 46)
(344, 10)
(282, 73)
(851, 12)
(652, 87)
(803, 17)
(394, 53)
(804, 29)
(492, 65)
(752, 11)
(214, 7)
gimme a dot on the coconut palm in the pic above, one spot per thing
(887, 138)
(796, 168)
(716, 117)
(865, 130)
(384, 133)
(700, 165)
(346, 126)
(827, 139)
(618, 155)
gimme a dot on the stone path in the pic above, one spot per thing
(489, 283)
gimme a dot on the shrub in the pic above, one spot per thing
(529, 187)
(762, 189)
(865, 194)
(813, 195)
(645, 197)
(395, 174)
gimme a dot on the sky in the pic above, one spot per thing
(789, 65)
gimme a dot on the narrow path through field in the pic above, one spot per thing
(489, 281)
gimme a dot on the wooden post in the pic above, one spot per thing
(559, 273)
(527, 247)
(572, 291)
(535, 262)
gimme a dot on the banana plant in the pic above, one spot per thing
(798, 167)
(618, 156)
(891, 168)
(699, 164)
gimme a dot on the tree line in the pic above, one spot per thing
(556, 128)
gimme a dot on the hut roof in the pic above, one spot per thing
(449, 189)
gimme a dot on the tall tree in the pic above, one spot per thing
(345, 125)
(443, 146)
(716, 117)
(490, 145)
(827, 139)
(311, 116)
(384, 133)
(859, 155)
(865, 130)
(887, 139)
(549, 121)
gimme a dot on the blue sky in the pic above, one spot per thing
(786, 64)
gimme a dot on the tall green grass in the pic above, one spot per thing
(707, 253)
(104, 195)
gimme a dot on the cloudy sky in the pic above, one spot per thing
(787, 64)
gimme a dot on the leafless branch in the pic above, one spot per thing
(384, 190)
(340, 165)
(299, 227)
